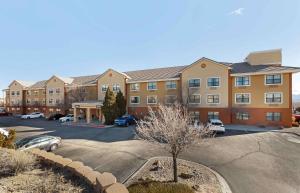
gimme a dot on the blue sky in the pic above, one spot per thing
(72, 38)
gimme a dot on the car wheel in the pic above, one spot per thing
(53, 147)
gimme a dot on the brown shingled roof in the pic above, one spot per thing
(85, 80)
(155, 74)
(39, 84)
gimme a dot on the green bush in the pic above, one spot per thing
(159, 187)
(8, 142)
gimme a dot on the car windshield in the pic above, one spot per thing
(216, 123)
(69, 115)
(22, 142)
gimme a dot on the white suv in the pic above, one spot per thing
(216, 125)
(33, 115)
(69, 117)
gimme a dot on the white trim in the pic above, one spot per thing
(137, 89)
(213, 86)
(194, 79)
(242, 85)
(152, 89)
(262, 73)
(273, 103)
(281, 77)
(166, 96)
(170, 88)
(194, 95)
(153, 80)
(213, 103)
(152, 96)
(135, 103)
(248, 103)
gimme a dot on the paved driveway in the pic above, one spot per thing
(265, 162)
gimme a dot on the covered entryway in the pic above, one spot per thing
(89, 110)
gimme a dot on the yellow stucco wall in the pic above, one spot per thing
(161, 93)
(15, 86)
(211, 69)
(38, 95)
(258, 90)
(54, 83)
(110, 78)
(267, 57)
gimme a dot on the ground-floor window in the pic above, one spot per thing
(242, 116)
(273, 116)
(213, 115)
(194, 115)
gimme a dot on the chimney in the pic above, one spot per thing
(267, 57)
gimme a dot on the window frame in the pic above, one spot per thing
(152, 96)
(242, 113)
(242, 103)
(235, 81)
(152, 88)
(194, 86)
(273, 116)
(106, 86)
(271, 103)
(166, 97)
(138, 85)
(116, 85)
(219, 100)
(138, 100)
(214, 112)
(194, 95)
(270, 84)
(171, 81)
(219, 81)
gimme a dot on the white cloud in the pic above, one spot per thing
(238, 11)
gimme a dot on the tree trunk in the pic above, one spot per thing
(175, 168)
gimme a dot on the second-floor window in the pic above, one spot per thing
(213, 82)
(242, 81)
(57, 91)
(12, 93)
(116, 87)
(104, 88)
(28, 101)
(213, 99)
(152, 85)
(57, 101)
(273, 98)
(18, 93)
(272, 79)
(194, 83)
(171, 85)
(273, 116)
(195, 99)
(50, 101)
(135, 87)
(242, 98)
(50, 91)
(36, 92)
(151, 99)
(134, 100)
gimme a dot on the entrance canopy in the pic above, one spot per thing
(91, 108)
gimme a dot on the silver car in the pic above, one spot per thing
(45, 142)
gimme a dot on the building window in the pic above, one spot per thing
(57, 101)
(134, 100)
(194, 116)
(12, 93)
(242, 98)
(50, 91)
(134, 86)
(194, 83)
(57, 91)
(18, 93)
(213, 115)
(273, 116)
(213, 82)
(213, 99)
(242, 81)
(170, 99)
(273, 98)
(195, 99)
(104, 88)
(50, 101)
(273, 79)
(151, 99)
(152, 85)
(28, 92)
(171, 84)
(36, 92)
(242, 116)
(116, 87)
(28, 101)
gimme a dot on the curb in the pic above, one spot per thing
(223, 184)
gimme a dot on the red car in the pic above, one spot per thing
(4, 113)
(297, 116)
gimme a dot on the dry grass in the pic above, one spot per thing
(159, 187)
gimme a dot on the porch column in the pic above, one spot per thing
(100, 115)
(88, 115)
(75, 114)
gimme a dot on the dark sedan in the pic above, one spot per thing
(55, 117)
(48, 143)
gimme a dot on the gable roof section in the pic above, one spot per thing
(23, 83)
(155, 74)
(85, 80)
(122, 73)
(38, 84)
(246, 68)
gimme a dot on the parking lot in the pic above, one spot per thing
(250, 161)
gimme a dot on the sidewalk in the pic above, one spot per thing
(250, 128)
(84, 124)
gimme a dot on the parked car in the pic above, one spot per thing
(55, 116)
(69, 117)
(5, 113)
(33, 115)
(48, 143)
(4, 132)
(125, 120)
(216, 126)
(297, 117)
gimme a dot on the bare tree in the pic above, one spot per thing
(172, 127)
(77, 94)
